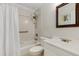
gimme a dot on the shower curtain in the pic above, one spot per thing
(11, 30)
(2, 30)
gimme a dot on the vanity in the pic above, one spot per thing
(58, 47)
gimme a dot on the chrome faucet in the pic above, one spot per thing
(65, 40)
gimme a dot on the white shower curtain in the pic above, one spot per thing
(2, 51)
(12, 43)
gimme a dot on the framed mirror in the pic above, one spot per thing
(67, 15)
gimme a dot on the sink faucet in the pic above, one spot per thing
(65, 40)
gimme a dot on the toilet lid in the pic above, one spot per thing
(36, 49)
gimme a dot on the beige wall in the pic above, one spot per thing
(47, 24)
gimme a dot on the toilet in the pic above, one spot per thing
(36, 51)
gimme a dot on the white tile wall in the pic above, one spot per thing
(26, 24)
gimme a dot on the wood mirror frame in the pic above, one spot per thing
(76, 16)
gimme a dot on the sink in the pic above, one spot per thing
(61, 40)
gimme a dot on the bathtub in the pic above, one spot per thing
(60, 48)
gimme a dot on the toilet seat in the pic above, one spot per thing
(36, 51)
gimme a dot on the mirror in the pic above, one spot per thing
(67, 15)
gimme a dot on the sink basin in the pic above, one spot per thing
(61, 40)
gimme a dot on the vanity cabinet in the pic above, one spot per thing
(51, 50)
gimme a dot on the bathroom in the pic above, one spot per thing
(34, 29)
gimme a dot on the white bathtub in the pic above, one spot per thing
(71, 48)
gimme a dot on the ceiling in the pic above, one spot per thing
(32, 5)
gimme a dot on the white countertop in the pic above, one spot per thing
(72, 46)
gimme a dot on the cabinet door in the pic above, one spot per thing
(48, 51)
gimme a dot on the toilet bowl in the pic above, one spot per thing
(36, 51)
